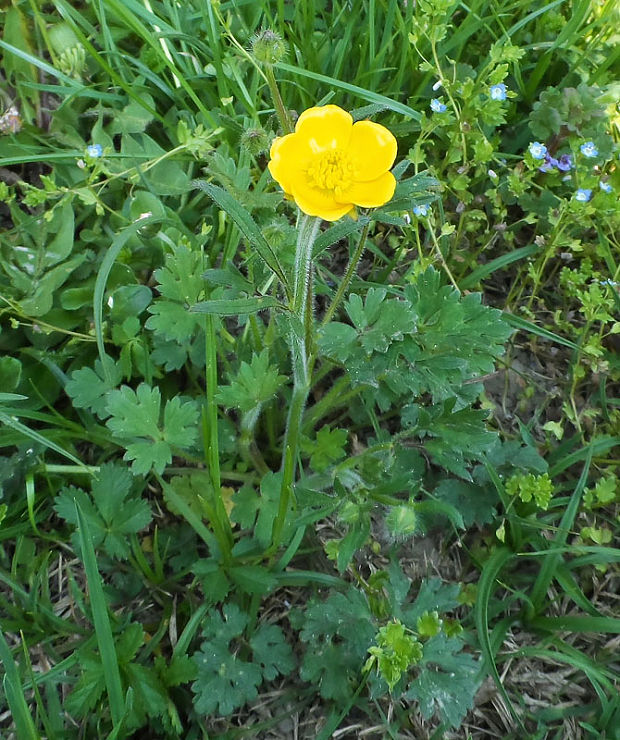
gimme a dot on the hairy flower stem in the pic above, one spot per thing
(283, 114)
(300, 359)
(348, 276)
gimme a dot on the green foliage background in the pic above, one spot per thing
(154, 581)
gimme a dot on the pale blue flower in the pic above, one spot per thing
(538, 150)
(498, 92)
(420, 211)
(94, 150)
(589, 149)
(583, 195)
(437, 106)
(605, 187)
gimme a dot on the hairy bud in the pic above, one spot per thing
(255, 141)
(268, 47)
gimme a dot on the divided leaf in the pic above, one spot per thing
(135, 421)
(111, 511)
(180, 285)
(338, 633)
(253, 385)
(448, 682)
(89, 388)
(327, 448)
(224, 681)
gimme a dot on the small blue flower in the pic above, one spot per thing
(589, 149)
(437, 106)
(565, 163)
(498, 92)
(538, 150)
(420, 211)
(605, 187)
(583, 195)
(94, 150)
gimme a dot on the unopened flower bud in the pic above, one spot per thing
(255, 141)
(72, 61)
(268, 47)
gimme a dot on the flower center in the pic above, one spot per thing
(330, 170)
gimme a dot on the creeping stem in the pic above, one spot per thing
(301, 313)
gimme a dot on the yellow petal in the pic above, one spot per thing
(373, 150)
(322, 203)
(325, 127)
(369, 194)
(289, 155)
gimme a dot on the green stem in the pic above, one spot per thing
(302, 306)
(348, 276)
(283, 114)
(247, 443)
(221, 521)
(442, 259)
(338, 396)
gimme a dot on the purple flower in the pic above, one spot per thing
(549, 164)
(565, 163)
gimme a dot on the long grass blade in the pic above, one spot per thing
(15, 695)
(101, 621)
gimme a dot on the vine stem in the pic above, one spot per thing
(301, 310)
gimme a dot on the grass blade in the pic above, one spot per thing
(577, 623)
(524, 325)
(13, 423)
(359, 92)
(486, 586)
(102, 279)
(101, 621)
(14, 692)
(236, 306)
(499, 263)
(549, 566)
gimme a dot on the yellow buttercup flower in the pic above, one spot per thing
(330, 164)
